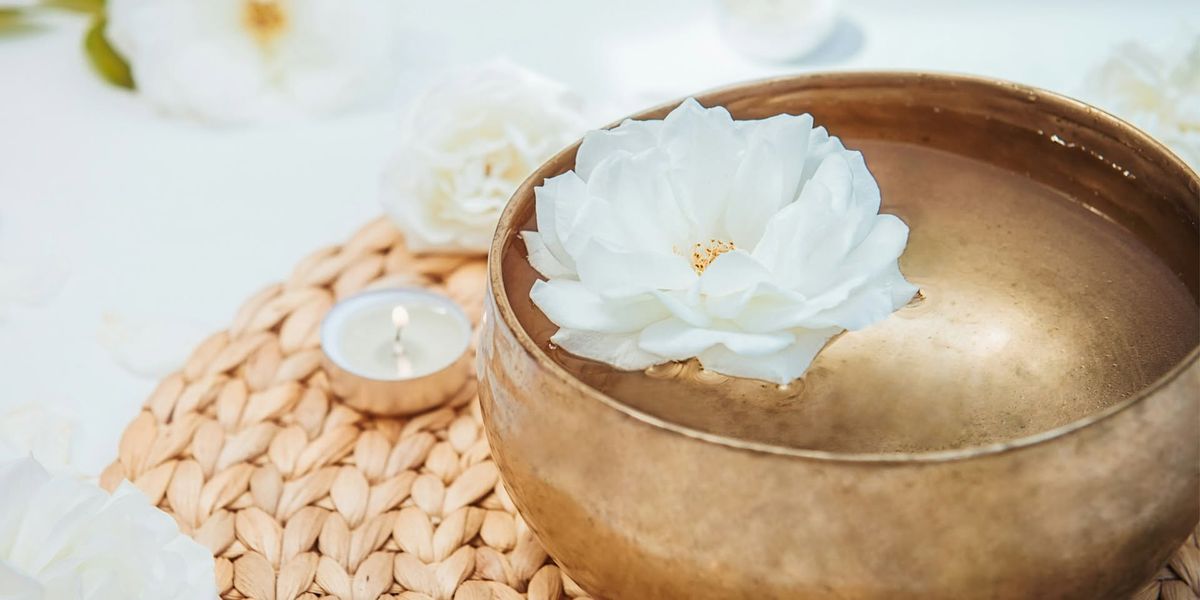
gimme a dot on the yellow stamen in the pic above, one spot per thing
(264, 18)
(703, 253)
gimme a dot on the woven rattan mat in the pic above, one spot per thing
(299, 496)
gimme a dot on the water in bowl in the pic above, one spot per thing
(1037, 311)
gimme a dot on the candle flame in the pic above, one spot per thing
(400, 316)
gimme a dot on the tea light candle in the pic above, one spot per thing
(396, 351)
(777, 30)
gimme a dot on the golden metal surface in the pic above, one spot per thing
(1027, 430)
(393, 397)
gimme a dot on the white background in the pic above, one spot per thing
(167, 225)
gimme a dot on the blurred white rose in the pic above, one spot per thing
(1157, 92)
(248, 60)
(37, 430)
(465, 145)
(63, 538)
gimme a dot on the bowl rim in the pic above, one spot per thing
(498, 294)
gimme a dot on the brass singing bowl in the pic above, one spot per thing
(1029, 430)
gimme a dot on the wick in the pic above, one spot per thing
(404, 367)
(400, 320)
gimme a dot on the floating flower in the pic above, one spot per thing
(245, 60)
(746, 244)
(1158, 92)
(63, 538)
(465, 145)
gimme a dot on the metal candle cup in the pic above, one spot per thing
(396, 351)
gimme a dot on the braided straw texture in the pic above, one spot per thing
(300, 496)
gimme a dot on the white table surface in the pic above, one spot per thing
(168, 225)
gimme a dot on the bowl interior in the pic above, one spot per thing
(1055, 248)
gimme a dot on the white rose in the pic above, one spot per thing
(63, 538)
(36, 430)
(465, 145)
(247, 60)
(746, 244)
(1157, 92)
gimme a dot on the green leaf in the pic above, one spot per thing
(105, 60)
(11, 19)
(91, 7)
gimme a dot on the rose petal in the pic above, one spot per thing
(637, 189)
(787, 242)
(629, 137)
(17, 475)
(757, 194)
(733, 306)
(685, 305)
(780, 367)
(677, 340)
(831, 283)
(615, 274)
(704, 149)
(72, 538)
(541, 259)
(883, 244)
(820, 145)
(865, 189)
(835, 206)
(787, 309)
(557, 203)
(732, 272)
(869, 304)
(834, 171)
(805, 244)
(596, 223)
(769, 174)
(19, 586)
(617, 349)
(791, 136)
(570, 304)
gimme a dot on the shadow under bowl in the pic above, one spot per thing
(1028, 429)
